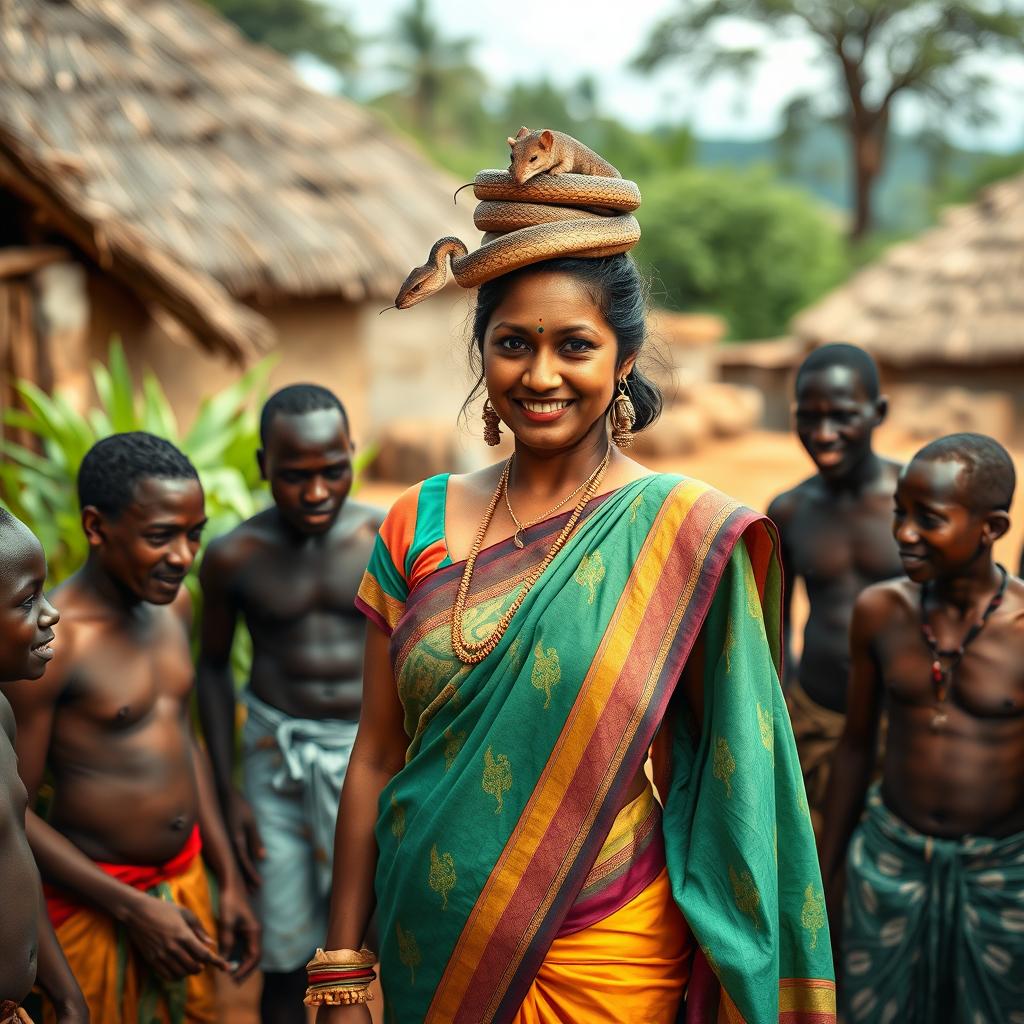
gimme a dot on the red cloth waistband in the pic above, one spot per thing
(60, 905)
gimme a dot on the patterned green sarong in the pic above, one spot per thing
(933, 928)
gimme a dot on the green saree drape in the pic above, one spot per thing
(517, 766)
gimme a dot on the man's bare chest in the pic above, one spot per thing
(828, 544)
(274, 591)
(987, 683)
(119, 683)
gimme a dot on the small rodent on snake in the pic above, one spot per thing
(573, 204)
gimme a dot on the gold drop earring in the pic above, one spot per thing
(492, 433)
(623, 416)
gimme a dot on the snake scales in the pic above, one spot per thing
(550, 215)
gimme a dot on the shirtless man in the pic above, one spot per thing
(292, 573)
(133, 798)
(26, 632)
(836, 536)
(934, 927)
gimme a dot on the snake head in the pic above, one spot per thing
(424, 281)
(417, 286)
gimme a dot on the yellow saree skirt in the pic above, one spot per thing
(631, 966)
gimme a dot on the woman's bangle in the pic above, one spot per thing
(340, 977)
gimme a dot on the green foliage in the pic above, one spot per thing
(295, 27)
(879, 49)
(221, 444)
(434, 71)
(738, 245)
(987, 172)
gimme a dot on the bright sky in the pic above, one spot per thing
(522, 39)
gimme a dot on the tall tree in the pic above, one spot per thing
(881, 50)
(294, 28)
(431, 66)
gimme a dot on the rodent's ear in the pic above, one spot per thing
(546, 139)
(511, 142)
(523, 132)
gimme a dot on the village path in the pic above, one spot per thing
(752, 468)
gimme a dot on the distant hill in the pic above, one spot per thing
(822, 167)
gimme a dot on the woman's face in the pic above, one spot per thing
(550, 361)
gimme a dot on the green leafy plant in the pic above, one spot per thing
(740, 245)
(40, 488)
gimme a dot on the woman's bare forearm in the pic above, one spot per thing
(355, 853)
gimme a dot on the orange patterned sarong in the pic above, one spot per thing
(118, 985)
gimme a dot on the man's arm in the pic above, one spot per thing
(54, 975)
(238, 928)
(169, 937)
(779, 512)
(215, 690)
(854, 757)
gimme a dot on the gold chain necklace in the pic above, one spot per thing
(520, 527)
(471, 652)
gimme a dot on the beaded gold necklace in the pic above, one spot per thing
(522, 527)
(471, 652)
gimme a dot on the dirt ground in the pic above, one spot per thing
(753, 468)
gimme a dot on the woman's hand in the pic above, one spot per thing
(358, 1014)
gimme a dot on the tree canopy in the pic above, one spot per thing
(295, 27)
(739, 245)
(879, 49)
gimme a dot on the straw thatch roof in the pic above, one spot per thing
(198, 167)
(953, 295)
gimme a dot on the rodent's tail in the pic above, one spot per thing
(455, 198)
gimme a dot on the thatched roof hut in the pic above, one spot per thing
(943, 315)
(197, 174)
(953, 296)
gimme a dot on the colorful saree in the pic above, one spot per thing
(518, 767)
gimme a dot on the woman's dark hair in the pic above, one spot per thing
(618, 290)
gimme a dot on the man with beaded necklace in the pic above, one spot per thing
(933, 926)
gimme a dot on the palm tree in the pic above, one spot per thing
(433, 68)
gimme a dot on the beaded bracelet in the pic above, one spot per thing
(12, 1013)
(340, 977)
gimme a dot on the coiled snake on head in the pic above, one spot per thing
(548, 216)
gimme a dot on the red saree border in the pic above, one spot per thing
(562, 828)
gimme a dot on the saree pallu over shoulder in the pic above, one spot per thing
(518, 766)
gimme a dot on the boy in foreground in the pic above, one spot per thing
(836, 536)
(26, 632)
(934, 921)
(134, 813)
(292, 572)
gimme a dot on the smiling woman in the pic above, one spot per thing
(536, 629)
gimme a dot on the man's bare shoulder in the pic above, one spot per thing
(1013, 604)
(7, 723)
(356, 517)
(889, 477)
(231, 550)
(878, 603)
(784, 506)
